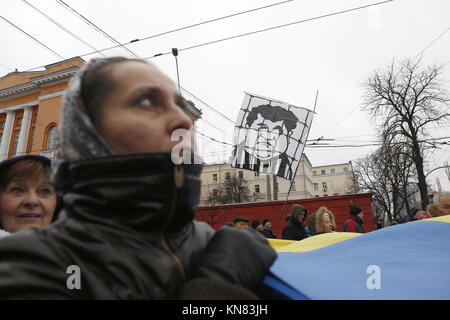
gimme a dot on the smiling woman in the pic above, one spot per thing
(27, 199)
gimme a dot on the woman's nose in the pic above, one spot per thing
(31, 200)
(179, 120)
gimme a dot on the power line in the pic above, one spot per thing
(272, 28)
(33, 38)
(432, 42)
(61, 27)
(9, 69)
(98, 29)
(185, 27)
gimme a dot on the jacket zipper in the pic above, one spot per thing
(178, 181)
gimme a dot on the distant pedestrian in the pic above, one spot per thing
(267, 229)
(294, 229)
(416, 214)
(324, 221)
(240, 222)
(440, 205)
(355, 221)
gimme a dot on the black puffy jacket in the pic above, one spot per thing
(128, 226)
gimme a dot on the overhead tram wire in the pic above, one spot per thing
(98, 29)
(33, 38)
(272, 28)
(432, 42)
(182, 28)
(62, 27)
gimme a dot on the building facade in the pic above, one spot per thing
(334, 180)
(30, 106)
(309, 182)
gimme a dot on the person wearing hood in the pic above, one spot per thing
(27, 199)
(127, 229)
(321, 221)
(355, 221)
(294, 228)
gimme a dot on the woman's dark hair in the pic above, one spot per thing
(96, 82)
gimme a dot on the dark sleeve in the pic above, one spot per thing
(29, 270)
(239, 256)
(359, 228)
(290, 232)
(345, 226)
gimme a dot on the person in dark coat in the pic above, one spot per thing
(127, 229)
(294, 229)
(267, 229)
(355, 221)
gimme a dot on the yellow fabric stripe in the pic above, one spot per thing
(325, 239)
(311, 243)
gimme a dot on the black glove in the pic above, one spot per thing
(238, 256)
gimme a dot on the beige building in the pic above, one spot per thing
(309, 182)
(333, 179)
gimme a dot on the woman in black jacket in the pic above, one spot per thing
(129, 195)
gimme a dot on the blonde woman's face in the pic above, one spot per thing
(327, 224)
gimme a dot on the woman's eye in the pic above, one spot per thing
(146, 102)
(45, 191)
(16, 189)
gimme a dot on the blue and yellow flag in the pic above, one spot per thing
(407, 261)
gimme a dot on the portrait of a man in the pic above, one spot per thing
(268, 135)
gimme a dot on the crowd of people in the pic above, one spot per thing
(300, 226)
(116, 205)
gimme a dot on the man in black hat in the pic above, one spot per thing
(240, 222)
(266, 230)
(355, 221)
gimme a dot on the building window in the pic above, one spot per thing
(52, 138)
(227, 176)
(275, 186)
(229, 192)
(241, 174)
(2, 125)
(335, 194)
(257, 188)
(314, 173)
(214, 176)
(292, 188)
(34, 118)
(16, 141)
(215, 192)
(316, 186)
(322, 172)
(324, 186)
(19, 122)
(256, 174)
(333, 171)
(345, 169)
(316, 196)
(325, 195)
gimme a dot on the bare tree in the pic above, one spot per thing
(408, 99)
(388, 174)
(236, 190)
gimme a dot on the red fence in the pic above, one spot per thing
(217, 216)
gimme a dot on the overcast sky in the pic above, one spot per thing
(333, 55)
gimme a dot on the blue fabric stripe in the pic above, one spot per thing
(413, 258)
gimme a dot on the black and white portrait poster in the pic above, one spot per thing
(269, 136)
